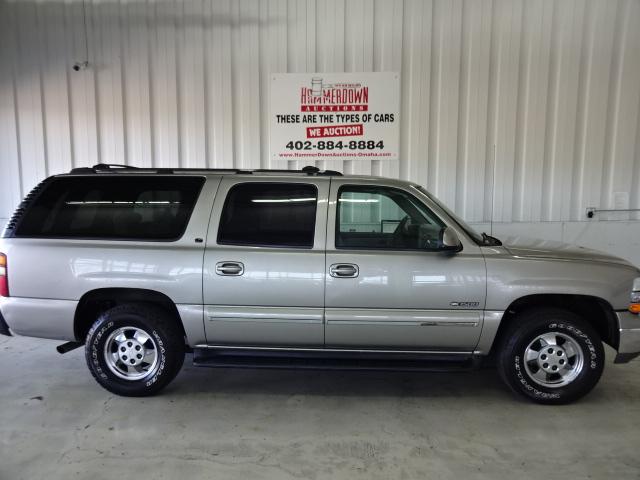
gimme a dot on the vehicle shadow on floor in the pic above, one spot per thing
(484, 383)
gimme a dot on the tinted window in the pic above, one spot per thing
(269, 214)
(113, 207)
(479, 239)
(384, 218)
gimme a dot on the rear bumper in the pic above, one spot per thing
(629, 331)
(39, 317)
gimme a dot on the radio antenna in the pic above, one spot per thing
(493, 191)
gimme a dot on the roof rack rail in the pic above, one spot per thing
(115, 167)
(111, 166)
(103, 167)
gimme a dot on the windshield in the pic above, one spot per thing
(480, 239)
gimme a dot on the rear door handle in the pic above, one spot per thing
(233, 269)
(344, 270)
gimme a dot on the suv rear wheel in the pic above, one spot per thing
(134, 349)
(551, 356)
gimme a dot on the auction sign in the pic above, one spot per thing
(335, 116)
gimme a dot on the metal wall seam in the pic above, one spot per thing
(554, 85)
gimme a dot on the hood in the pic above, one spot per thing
(549, 249)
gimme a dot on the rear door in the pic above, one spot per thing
(387, 286)
(264, 262)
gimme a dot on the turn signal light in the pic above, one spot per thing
(634, 301)
(4, 282)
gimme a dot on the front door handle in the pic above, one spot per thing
(233, 269)
(343, 270)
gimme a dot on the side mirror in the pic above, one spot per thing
(449, 241)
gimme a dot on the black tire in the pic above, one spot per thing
(526, 328)
(166, 345)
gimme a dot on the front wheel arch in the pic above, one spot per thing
(595, 310)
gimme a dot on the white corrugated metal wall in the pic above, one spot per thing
(554, 84)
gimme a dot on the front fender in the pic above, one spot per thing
(510, 278)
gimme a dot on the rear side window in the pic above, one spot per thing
(269, 214)
(113, 207)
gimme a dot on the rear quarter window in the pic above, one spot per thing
(115, 208)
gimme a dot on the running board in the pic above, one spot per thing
(208, 358)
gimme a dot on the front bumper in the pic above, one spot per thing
(629, 331)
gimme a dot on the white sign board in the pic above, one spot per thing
(334, 116)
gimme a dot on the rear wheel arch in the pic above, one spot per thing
(596, 311)
(95, 302)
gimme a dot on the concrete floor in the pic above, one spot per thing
(56, 422)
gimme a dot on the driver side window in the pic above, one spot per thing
(372, 217)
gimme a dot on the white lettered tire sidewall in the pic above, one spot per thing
(529, 326)
(157, 324)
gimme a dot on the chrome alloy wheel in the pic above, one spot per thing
(131, 353)
(553, 359)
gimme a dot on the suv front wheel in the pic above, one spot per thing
(551, 356)
(134, 349)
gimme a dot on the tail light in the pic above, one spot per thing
(4, 281)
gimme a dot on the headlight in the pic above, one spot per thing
(634, 300)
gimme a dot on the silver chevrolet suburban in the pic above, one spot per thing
(306, 269)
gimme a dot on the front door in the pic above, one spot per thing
(264, 262)
(387, 285)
